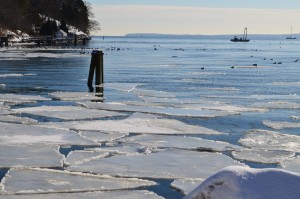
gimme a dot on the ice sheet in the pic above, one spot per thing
(256, 97)
(5, 112)
(281, 125)
(262, 156)
(134, 125)
(16, 134)
(13, 99)
(168, 164)
(180, 142)
(102, 137)
(170, 111)
(185, 186)
(27, 181)
(30, 156)
(79, 157)
(277, 105)
(67, 112)
(271, 140)
(17, 120)
(90, 195)
(75, 96)
(246, 183)
(292, 164)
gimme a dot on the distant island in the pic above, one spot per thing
(21, 18)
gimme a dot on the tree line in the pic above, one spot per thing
(26, 15)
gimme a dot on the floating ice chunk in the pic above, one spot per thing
(140, 194)
(168, 164)
(179, 142)
(286, 83)
(185, 186)
(17, 120)
(292, 164)
(281, 125)
(256, 97)
(271, 140)
(152, 93)
(158, 110)
(134, 125)
(20, 99)
(5, 112)
(21, 181)
(125, 150)
(79, 157)
(30, 156)
(277, 105)
(16, 134)
(295, 117)
(75, 96)
(262, 156)
(220, 107)
(102, 137)
(11, 75)
(243, 183)
(67, 112)
(205, 73)
(126, 87)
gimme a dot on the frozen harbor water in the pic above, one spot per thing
(168, 120)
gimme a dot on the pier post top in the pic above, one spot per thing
(97, 52)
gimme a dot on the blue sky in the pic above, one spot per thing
(119, 17)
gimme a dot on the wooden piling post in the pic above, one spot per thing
(96, 67)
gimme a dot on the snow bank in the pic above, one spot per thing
(245, 183)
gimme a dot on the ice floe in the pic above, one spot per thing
(79, 157)
(21, 181)
(170, 111)
(224, 89)
(13, 99)
(256, 97)
(102, 137)
(245, 183)
(281, 125)
(180, 142)
(286, 83)
(277, 105)
(292, 164)
(75, 96)
(185, 186)
(262, 156)
(17, 120)
(130, 194)
(67, 112)
(30, 156)
(5, 112)
(168, 164)
(134, 125)
(271, 140)
(16, 134)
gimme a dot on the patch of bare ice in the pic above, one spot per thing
(75, 96)
(17, 120)
(102, 137)
(16, 134)
(26, 181)
(277, 105)
(67, 112)
(281, 125)
(180, 142)
(127, 194)
(79, 157)
(168, 164)
(271, 140)
(135, 125)
(30, 156)
(262, 156)
(170, 111)
(292, 164)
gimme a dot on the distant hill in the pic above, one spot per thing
(30, 15)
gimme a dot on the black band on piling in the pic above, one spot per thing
(96, 68)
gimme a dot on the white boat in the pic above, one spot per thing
(291, 36)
